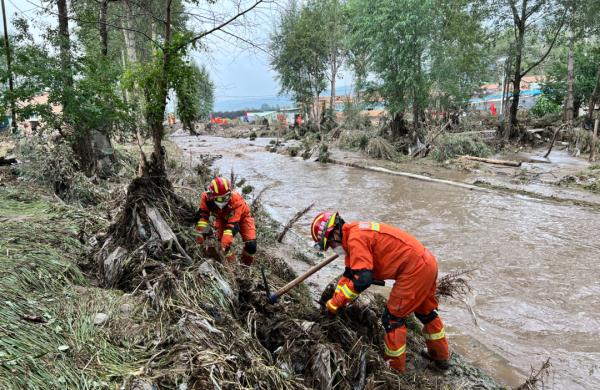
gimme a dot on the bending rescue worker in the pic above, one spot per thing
(376, 251)
(232, 216)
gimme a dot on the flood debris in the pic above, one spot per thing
(537, 377)
(293, 220)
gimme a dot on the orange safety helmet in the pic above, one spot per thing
(322, 226)
(219, 189)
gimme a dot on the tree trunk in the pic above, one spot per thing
(594, 141)
(129, 36)
(398, 126)
(104, 27)
(513, 124)
(569, 105)
(333, 77)
(65, 47)
(594, 97)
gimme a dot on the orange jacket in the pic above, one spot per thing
(227, 218)
(390, 253)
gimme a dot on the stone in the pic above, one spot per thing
(100, 318)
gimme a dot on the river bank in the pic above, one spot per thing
(200, 326)
(532, 255)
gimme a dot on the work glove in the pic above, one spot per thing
(230, 257)
(226, 241)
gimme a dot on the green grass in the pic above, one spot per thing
(62, 348)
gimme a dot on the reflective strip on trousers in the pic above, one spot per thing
(435, 336)
(202, 224)
(347, 292)
(227, 232)
(395, 352)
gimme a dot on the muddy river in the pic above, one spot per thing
(535, 291)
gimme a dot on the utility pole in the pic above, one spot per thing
(10, 77)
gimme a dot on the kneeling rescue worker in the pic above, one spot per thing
(232, 216)
(376, 251)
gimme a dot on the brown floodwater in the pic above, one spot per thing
(535, 291)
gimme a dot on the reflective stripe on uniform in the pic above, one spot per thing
(373, 226)
(348, 293)
(202, 224)
(331, 305)
(227, 232)
(435, 336)
(395, 352)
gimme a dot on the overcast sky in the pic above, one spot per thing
(239, 72)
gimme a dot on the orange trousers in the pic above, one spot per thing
(414, 292)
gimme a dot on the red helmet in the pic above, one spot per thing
(322, 226)
(219, 189)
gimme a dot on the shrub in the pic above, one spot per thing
(247, 189)
(350, 139)
(252, 136)
(544, 106)
(293, 151)
(452, 145)
(323, 153)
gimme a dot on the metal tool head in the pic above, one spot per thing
(272, 298)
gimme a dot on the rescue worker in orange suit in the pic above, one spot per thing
(376, 251)
(232, 216)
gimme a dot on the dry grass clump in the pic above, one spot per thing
(379, 147)
(55, 166)
(454, 285)
(452, 145)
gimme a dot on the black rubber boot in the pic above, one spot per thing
(441, 365)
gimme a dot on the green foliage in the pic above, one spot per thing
(323, 153)
(586, 60)
(195, 94)
(544, 106)
(419, 49)
(353, 118)
(252, 135)
(299, 47)
(351, 139)
(451, 145)
(247, 189)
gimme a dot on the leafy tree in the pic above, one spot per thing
(417, 49)
(195, 95)
(299, 49)
(526, 18)
(586, 58)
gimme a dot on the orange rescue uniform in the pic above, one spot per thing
(233, 218)
(391, 253)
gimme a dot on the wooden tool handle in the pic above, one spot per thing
(302, 277)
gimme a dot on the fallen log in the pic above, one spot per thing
(492, 161)
(7, 161)
(292, 221)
